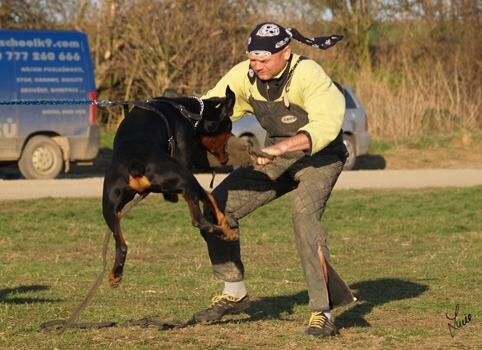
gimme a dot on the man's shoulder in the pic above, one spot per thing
(305, 61)
(308, 67)
(242, 66)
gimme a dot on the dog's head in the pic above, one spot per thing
(217, 142)
(214, 130)
(216, 109)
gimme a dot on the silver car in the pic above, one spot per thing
(355, 129)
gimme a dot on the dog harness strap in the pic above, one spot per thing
(190, 115)
(187, 114)
(183, 110)
(150, 107)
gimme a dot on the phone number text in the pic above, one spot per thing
(39, 56)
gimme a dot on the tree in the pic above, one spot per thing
(142, 47)
(18, 14)
(355, 18)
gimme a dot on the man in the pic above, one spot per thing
(302, 111)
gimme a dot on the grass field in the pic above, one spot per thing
(412, 258)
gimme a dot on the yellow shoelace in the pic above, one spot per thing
(218, 298)
(317, 319)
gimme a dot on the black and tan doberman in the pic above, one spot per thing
(153, 152)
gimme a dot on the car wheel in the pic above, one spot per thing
(350, 146)
(251, 140)
(41, 159)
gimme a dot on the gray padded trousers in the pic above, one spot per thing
(312, 178)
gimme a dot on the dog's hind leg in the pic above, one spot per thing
(112, 209)
(115, 275)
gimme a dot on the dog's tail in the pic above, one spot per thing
(136, 170)
(137, 178)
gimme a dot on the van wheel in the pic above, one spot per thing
(41, 159)
(350, 147)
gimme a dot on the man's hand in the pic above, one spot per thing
(274, 151)
(298, 142)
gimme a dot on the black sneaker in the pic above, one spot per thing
(320, 326)
(223, 305)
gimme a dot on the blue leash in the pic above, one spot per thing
(103, 103)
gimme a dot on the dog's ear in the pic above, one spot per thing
(226, 108)
(217, 109)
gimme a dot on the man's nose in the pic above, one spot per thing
(256, 66)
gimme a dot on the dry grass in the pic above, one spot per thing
(419, 106)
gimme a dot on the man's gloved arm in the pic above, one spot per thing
(240, 154)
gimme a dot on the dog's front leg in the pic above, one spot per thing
(198, 220)
(213, 209)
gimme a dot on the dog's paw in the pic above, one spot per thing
(114, 283)
(229, 235)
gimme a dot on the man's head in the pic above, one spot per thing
(267, 67)
(267, 39)
(269, 50)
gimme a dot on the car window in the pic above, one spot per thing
(349, 101)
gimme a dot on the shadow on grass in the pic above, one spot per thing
(269, 308)
(10, 295)
(371, 294)
(276, 307)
